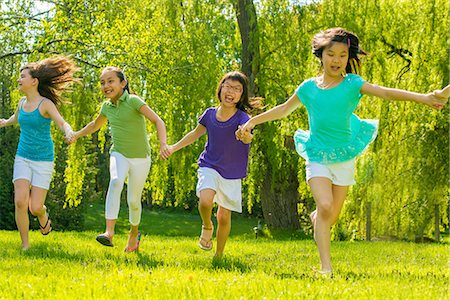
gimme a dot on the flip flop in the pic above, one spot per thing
(48, 223)
(104, 240)
(129, 249)
(205, 243)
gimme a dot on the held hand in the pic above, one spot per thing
(2, 123)
(243, 130)
(436, 100)
(444, 93)
(71, 137)
(247, 137)
(165, 151)
(247, 126)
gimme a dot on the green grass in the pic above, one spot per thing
(72, 265)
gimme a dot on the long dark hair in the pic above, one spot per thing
(245, 103)
(325, 38)
(119, 72)
(54, 75)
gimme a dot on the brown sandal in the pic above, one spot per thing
(205, 241)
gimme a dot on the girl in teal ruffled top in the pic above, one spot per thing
(336, 136)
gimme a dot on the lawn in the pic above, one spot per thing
(72, 265)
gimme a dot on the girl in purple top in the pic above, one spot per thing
(224, 161)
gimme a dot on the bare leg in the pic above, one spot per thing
(110, 225)
(133, 237)
(329, 200)
(223, 229)
(205, 206)
(21, 201)
(38, 209)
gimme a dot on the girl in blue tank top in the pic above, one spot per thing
(42, 83)
(336, 136)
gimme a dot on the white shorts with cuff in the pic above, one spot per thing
(342, 174)
(38, 173)
(228, 191)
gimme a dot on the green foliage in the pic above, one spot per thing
(174, 53)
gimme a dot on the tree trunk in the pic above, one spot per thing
(437, 219)
(279, 203)
(248, 27)
(369, 221)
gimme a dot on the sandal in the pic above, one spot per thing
(48, 223)
(129, 249)
(205, 241)
(104, 239)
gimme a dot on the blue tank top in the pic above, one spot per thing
(35, 142)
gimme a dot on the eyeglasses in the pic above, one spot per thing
(235, 89)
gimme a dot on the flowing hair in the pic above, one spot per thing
(325, 38)
(246, 104)
(54, 75)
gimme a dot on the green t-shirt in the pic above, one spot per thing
(127, 125)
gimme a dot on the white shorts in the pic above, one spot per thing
(38, 173)
(228, 191)
(342, 174)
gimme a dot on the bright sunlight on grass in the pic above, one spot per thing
(72, 265)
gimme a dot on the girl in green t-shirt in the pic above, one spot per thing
(336, 136)
(130, 151)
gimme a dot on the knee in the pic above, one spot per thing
(325, 210)
(205, 203)
(21, 203)
(135, 205)
(223, 218)
(116, 184)
(36, 210)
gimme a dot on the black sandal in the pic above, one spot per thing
(48, 223)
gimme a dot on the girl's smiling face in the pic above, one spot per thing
(231, 92)
(334, 59)
(111, 85)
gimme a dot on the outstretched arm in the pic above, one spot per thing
(51, 110)
(90, 128)
(12, 120)
(187, 139)
(278, 112)
(430, 99)
(160, 128)
(444, 93)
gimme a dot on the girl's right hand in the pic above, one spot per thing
(2, 123)
(436, 100)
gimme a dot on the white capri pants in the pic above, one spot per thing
(136, 169)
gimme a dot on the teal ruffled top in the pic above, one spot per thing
(336, 134)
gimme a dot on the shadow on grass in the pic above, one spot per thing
(230, 264)
(43, 250)
(173, 223)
